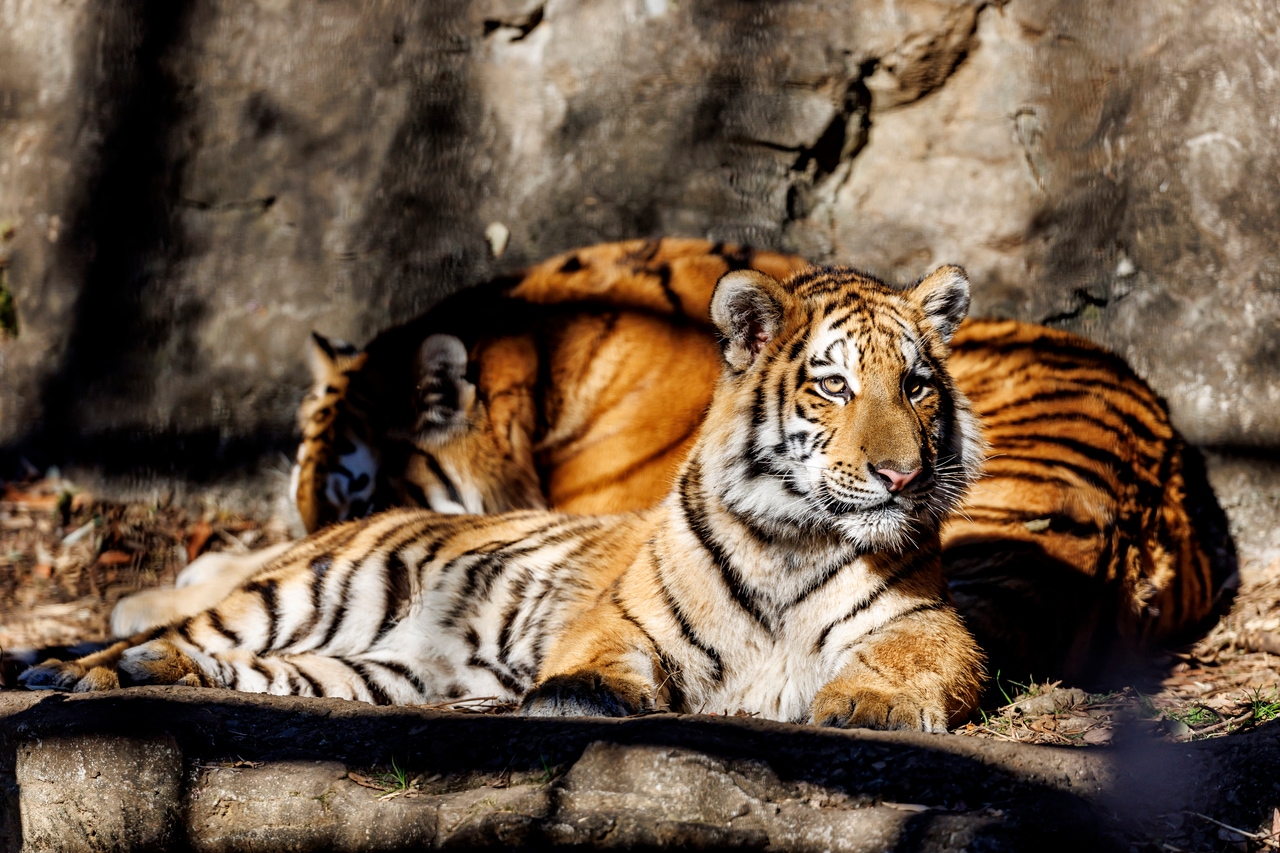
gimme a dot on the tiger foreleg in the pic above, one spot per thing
(89, 673)
(922, 672)
(603, 666)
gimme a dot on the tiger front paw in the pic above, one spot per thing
(585, 694)
(868, 708)
(69, 677)
(160, 662)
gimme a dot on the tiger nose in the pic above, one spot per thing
(896, 480)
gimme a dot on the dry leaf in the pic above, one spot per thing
(1098, 736)
(198, 538)
(365, 781)
(43, 570)
(114, 558)
(14, 495)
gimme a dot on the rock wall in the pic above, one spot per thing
(187, 188)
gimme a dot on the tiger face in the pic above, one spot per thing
(855, 425)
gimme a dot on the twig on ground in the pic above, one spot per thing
(1216, 726)
(1268, 840)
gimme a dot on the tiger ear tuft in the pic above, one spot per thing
(944, 296)
(324, 354)
(747, 309)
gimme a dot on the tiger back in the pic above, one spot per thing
(793, 571)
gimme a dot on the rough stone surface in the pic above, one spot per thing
(187, 188)
(98, 793)
(212, 770)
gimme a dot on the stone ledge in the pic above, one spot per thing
(173, 768)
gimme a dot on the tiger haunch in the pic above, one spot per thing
(783, 575)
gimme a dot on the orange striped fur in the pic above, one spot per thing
(1086, 539)
(793, 571)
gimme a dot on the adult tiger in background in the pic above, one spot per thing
(793, 571)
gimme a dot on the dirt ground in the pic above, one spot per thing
(66, 558)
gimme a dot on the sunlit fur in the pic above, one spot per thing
(606, 395)
(748, 588)
(1080, 536)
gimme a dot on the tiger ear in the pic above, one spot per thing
(324, 354)
(747, 309)
(944, 296)
(444, 397)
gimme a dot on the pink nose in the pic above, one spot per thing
(897, 480)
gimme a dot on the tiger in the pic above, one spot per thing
(1092, 539)
(793, 570)
(599, 363)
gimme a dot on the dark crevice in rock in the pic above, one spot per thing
(841, 141)
(261, 205)
(524, 25)
(1081, 310)
(8, 311)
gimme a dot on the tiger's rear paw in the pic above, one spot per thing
(159, 662)
(878, 709)
(69, 676)
(585, 694)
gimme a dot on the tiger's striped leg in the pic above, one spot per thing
(922, 671)
(83, 675)
(170, 659)
(606, 666)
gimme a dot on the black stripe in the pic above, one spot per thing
(306, 676)
(344, 597)
(407, 674)
(696, 520)
(375, 689)
(504, 678)
(259, 667)
(900, 573)
(397, 589)
(216, 623)
(266, 590)
(997, 421)
(663, 272)
(686, 629)
(1096, 480)
(433, 465)
(1090, 392)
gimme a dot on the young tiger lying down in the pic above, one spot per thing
(793, 571)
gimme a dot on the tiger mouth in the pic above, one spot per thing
(840, 505)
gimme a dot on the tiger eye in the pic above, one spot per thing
(834, 385)
(914, 386)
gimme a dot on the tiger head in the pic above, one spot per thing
(835, 414)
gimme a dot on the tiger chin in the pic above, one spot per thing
(792, 572)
